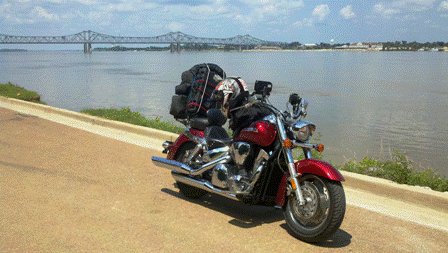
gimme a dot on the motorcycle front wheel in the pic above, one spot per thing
(322, 213)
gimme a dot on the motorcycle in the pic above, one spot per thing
(257, 165)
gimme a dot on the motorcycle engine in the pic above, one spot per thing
(242, 154)
(235, 177)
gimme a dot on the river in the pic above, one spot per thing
(364, 103)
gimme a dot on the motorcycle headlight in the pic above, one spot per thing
(303, 130)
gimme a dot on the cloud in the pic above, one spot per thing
(128, 6)
(15, 13)
(395, 7)
(321, 11)
(258, 11)
(347, 12)
(44, 14)
(306, 22)
(87, 2)
(175, 26)
(443, 6)
(381, 9)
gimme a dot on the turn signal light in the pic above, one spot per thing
(293, 184)
(320, 148)
(288, 143)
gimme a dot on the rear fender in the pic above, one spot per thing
(308, 166)
(182, 139)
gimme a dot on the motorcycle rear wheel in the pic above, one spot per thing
(323, 212)
(187, 190)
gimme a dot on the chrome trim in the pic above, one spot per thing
(255, 177)
(167, 144)
(194, 152)
(270, 118)
(307, 153)
(185, 169)
(261, 157)
(240, 151)
(303, 123)
(171, 164)
(216, 153)
(290, 161)
(220, 176)
(304, 145)
(210, 165)
(202, 184)
(259, 165)
(251, 129)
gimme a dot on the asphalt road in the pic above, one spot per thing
(66, 190)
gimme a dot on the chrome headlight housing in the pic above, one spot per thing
(303, 130)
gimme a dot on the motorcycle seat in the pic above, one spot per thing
(199, 123)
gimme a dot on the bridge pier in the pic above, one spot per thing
(87, 48)
(174, 47)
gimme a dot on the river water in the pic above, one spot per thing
(364, 103)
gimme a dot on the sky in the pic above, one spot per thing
(305, 21)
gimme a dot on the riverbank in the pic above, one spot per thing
(126, 115)
(11, 90)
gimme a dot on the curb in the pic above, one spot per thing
(423, 196)
(414, 194)
(159, 134)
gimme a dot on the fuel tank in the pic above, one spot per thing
(261, 133)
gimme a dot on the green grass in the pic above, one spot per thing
(13, 91)
(125, 114)
(398, 169)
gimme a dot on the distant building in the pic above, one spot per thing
(311, 45)
(373, 46)
(268, 48)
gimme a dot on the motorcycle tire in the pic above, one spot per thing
(187, 190)
(323, 212)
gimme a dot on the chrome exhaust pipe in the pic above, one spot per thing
(171, 165)
(202, 184)
(185, 169)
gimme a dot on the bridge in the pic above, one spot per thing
(175, 39)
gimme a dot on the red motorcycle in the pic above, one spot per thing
(257, 167)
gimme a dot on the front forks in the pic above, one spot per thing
(294, 176)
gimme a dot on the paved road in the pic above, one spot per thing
(64, 189)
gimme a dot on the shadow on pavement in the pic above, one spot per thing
(247, 216)
(340, 239)
(244, 216)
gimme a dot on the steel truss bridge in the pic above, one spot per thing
(175, 39)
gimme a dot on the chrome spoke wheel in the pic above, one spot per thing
(322, 213)
(315, 211)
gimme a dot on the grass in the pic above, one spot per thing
(13, 91)
(125, 114)
(398, 169)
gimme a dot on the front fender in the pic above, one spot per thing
(308, 166)
(319, 168)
